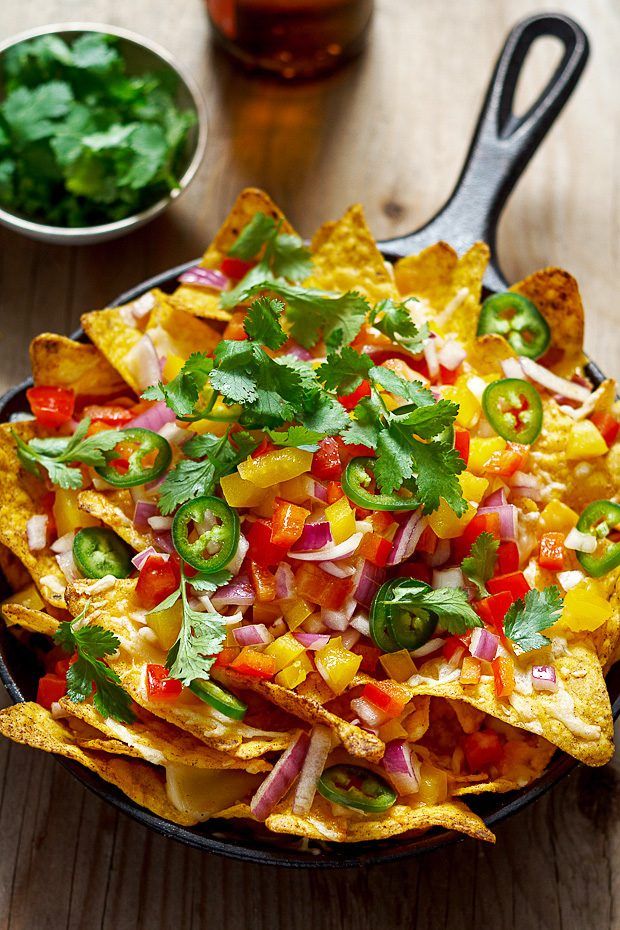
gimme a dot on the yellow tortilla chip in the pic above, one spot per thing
(35, 621)
(115, 509)
(12, 569)
(20, 496)
(346, 258)
(176, 332)
(486, 353)
(58, 361)
(556, 295)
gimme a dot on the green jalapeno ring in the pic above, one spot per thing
(353, 479)
(518, 320)
(356, 787)
(380, 632)
(219, 698)
(98, 552)
(147, 441)
(514, 409)
(411, 626)
(226, 533)
(598, 519)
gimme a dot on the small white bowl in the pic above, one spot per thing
(141, 55)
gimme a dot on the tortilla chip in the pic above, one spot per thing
(346, 258)
(175, 332)
(115, 509)
(556, 295)
(34, 726)
(58, 361)
(159, 742)
(486, 353)
(35, 621)
(13, 570)
(525, 759)
(20, 496)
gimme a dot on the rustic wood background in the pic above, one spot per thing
(391, 131)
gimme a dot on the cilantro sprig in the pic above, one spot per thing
(55, 455)
(88, 674)
(284, 253)
(394, 321)
(455, 613)
(528, 617)
(478, 567)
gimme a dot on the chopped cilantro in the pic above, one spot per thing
(455, 613)
(284, 253)
(55, 453)
(394, 321)
(480, 565)
(344, 371)
(525, 619)
(201, 638)
(262, 323)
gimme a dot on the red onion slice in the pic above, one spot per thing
(298, 352)
(315, 536)
(338, 571)
(142, 511)
(237, 560)
(368, 713)
(164, 542)
(508, 515)
(402, 767)
(281, 777)
(63, 543)
(139, 559)
(339, 619)
(312, 641)
(484, 644)
(370, 580)
(543, 678)
(407, 537)
(330, 553)
(512, 368)
(205, 277)
(285, 581)
(448, 578)
(67, 565)
(154, 418)
(143, 362)
(496, 499)
(441, 554)
(312, 769)
(554, 383)
(254, 634)
(451, 355)
(237, 593)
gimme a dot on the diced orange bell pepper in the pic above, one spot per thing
(607, 425)
(375, 548)
(381, 521)
(551, 553)
(264, 583)
(471, 670)
(226, 657)
(254, 664)
(370, 656)
(334, 492)
(316, 586)
(398, 665)
(508, 461)
(287, 523)
(387, 696)
(504, 676)
(234, 328)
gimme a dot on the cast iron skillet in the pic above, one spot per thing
(502, 146)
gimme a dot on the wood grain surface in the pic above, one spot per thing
(390, 130)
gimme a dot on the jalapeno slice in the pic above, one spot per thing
(378, 621)
(98, 551)
(139, 456)
(202, 525)
(219, 698)
(514, 409)
(518, 320)
(356, 787)
(358, 475)
(599, 519)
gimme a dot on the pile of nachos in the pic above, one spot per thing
(316, 541)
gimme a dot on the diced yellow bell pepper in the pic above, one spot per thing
(337, 665)
(272, 467)
(265, 613)
(220, 426)
(295, 612)
(295, 490)
(341, 518)
(393, 729)
(67, 515)
(585, 441)
(285, 649)
(480, 451)
(166, 624)
(584, 608)
(172, 367)
(473, 488)
(27, 597)
(558, 518)
(445, 523)
(295, 673)
(398, 665)
(469, 405)
(433, 784)
(266, 507)
(240, 493)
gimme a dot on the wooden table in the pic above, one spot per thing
(390, 130)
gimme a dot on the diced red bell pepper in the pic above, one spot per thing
(507, 558)
(493, 609)
(375, 548)
(482, 749)
(352, 451)
(235, 268)
(51, 689)
(326, 462)
(235, 329)
(255, 664)
(451, 646)
(417, 570)
(334, 492)
(316, 586)
(503, 675)
(514, 583)
(264, 583)
(551, 552)
(461, 442)
(448, 375)
(381, 521)
(261, 549)
(110, 415)
(52, 406)
(481, 523)
(160, 686)
(427, 541)
(607, 425)
(508, 461)
(265, 446)
(158, 579)
(349, 401)
(370, 657)
(387, 696)
(287, 523)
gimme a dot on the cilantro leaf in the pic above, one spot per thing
(394, 463)
(200, 639)
(344, 371)
(54, 453)
(253, 237)
(290, 258)
(89, 673)
(285, 254)
(412, 391)
(394, 320)
(480, 565)
(297, 437)
(455, 613)
(428, 422)
(437, 466)
(525, 619)
(208, 584)
(181, 394)
(262, 323)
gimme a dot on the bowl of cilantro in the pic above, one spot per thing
(100, 131)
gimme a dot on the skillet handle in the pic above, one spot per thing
(503, 143)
